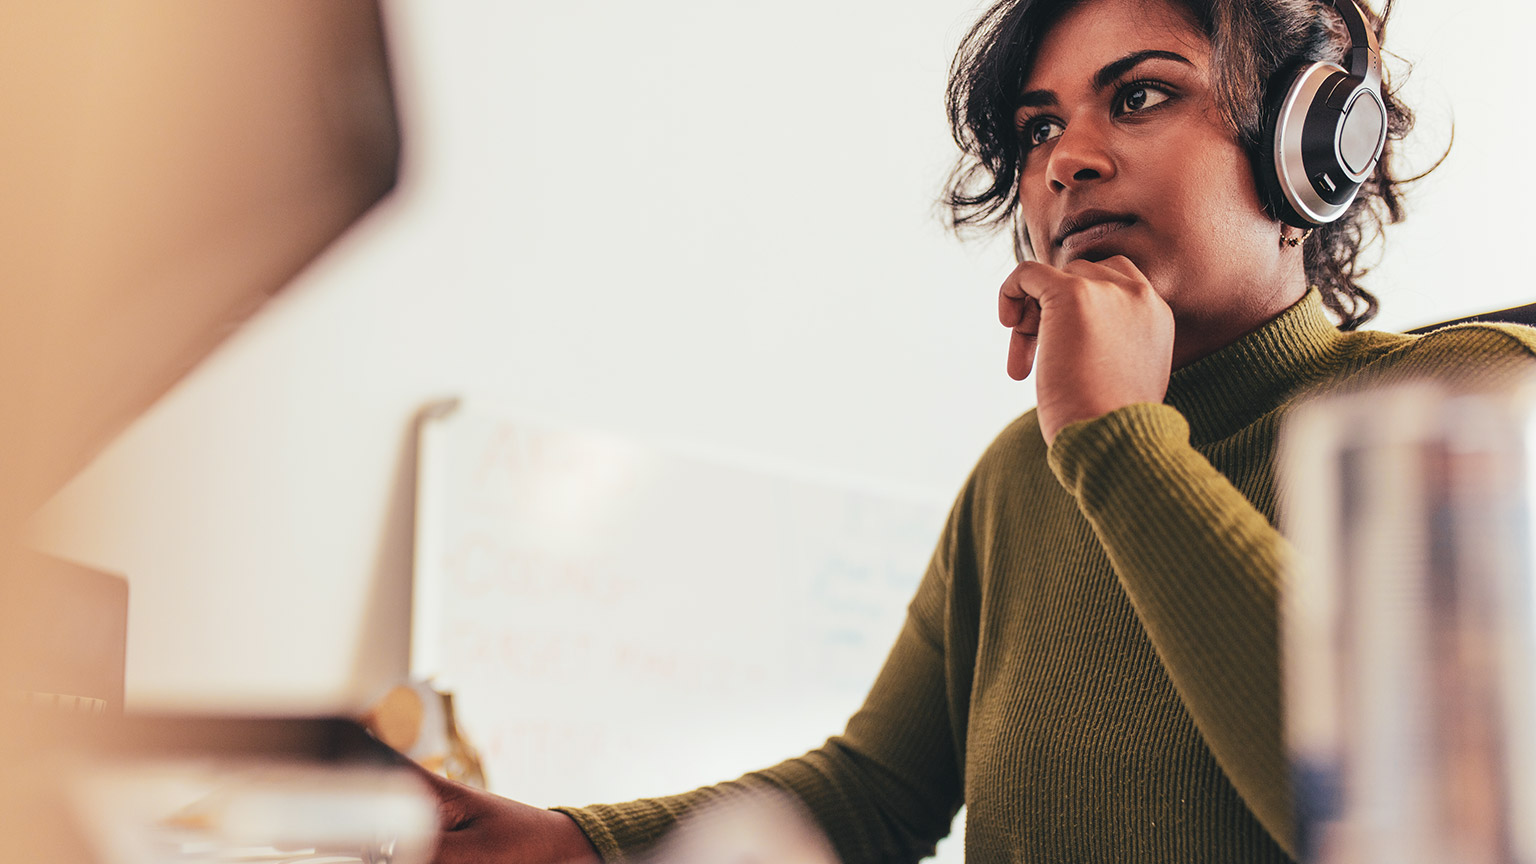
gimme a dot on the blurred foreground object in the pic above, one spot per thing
(1410, 651)
(418, 720)
(199, 790)
(63, 636)
(165, 166)
(749, 828)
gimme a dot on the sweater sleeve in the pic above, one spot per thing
(1202, 567)
(886, 790)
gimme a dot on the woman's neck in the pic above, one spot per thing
(1200, 332)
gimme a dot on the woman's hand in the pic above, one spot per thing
(480, 827)
(1099, 334)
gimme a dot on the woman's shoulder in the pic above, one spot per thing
(1473, 354)
(1010, 487)
(1015, 458)
(1018, 446)
(1480, 337)
(1469, 343)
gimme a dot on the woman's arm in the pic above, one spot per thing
(1198, 561)
(1202, 567)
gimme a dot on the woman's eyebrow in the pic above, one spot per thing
(1105, 76)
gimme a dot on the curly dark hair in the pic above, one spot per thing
(1255, 44)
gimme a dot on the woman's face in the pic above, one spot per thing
(1126, 153)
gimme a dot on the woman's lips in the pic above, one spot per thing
(1080, 242)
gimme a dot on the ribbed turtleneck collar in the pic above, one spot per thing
(1225, 390)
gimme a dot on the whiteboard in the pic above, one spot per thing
(619, 621)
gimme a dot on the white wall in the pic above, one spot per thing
(1460, 251)
(700, 223)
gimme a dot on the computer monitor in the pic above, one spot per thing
(167, 166)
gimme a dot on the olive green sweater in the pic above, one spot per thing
(1091, 661)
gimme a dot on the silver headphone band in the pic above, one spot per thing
(1364, 60)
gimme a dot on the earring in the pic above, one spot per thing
(1294, 241)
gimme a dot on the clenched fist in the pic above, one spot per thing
(1096, 334)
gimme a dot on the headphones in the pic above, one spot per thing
(1325, 131)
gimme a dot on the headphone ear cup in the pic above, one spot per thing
(1276, 96)
(1313, 184)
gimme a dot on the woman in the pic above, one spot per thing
(1090, 664)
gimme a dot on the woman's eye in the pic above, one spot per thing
(1037, 132)
(1139, 98)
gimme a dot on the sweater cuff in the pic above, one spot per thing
(1087, 456)
(597, 832)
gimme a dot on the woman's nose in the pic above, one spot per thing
(1081, 155)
